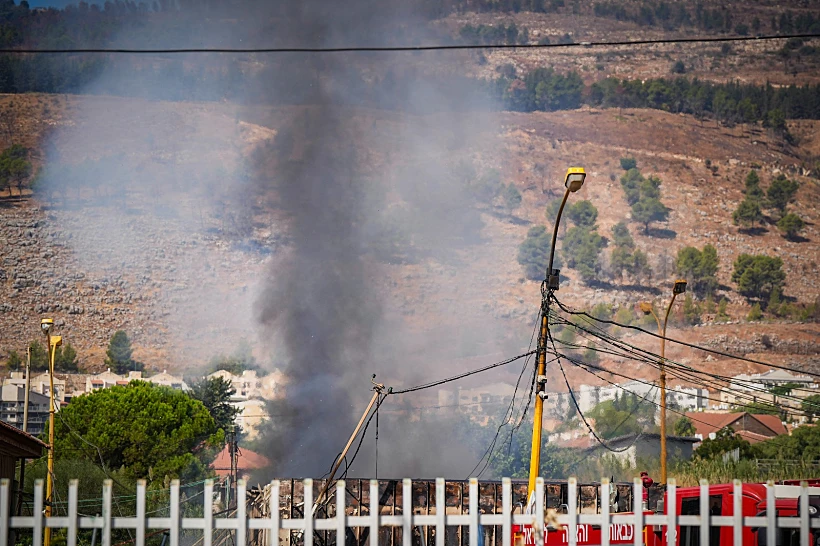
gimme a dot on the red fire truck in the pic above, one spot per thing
(687, 502)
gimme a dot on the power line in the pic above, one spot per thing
(688, 373)
(575, 401)
(461, 376)
(684, 343)
(441, 47)
(490, 451)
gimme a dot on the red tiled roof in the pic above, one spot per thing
(772, 422)
(707, 423)
(246, 460)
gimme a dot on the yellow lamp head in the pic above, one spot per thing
(575, 178)
(46, 325)
(646, 307)
(680, 287)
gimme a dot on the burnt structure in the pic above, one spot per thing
(292, 495)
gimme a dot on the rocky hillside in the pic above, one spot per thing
(174, 267)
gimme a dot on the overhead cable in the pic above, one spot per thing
(462, 375)
(434, 47)
(684, 343)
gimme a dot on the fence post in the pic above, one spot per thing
(375, 513)
(406, 513)
(771, 514)
(737, 512)
(140, 531)
(637, 499)
(604, 511)
(704, 512)
(4, 510)
(242, 513)
(173, 513)
(805, 538)
(671, 508)
(540, 520)
(108, 486)
(308, 512)
(208, 513)
(473, 510)
(71, 534)
(506, 509)
(441, 512)
(341, 513)
(572, 511)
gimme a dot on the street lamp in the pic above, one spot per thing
(52, 342)
(678, 288)
(573, 181)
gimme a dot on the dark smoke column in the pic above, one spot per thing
(319, 299)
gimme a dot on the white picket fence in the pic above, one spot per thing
(240, 524)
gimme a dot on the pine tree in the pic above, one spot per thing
(791, 224)
(755, 313)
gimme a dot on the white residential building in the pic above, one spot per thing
(589, 396)
(488, 399)
(763, 382)
(167, 380)
(12, 407)
(248, 385)
(39, 384)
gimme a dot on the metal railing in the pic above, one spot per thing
(267, 531)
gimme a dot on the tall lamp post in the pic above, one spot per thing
(573, 181)
(646, 307)
(52, 342)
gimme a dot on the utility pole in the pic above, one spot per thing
(573, 181)
(646, 307)
(22, 482)
(53, 343)
(28, 389)
(233, 452)
(378, 388)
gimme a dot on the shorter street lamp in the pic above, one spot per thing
(53, 342)
(646, 307)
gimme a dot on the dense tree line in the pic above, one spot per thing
(492, 34)
(546, 89)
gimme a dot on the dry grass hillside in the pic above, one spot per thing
(185, 289)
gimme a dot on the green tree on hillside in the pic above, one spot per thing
(780, 193)
(699, 268)
(118, 355)
(757, 276)
(647, 211)
(512, 198)
(747, 214)
(148, 431)
(582, 214)
(65, 358)
(581, 251)
(14, 167)
(39, 356)
(621, 235)
(488, 186)
(534, 253)
(625, 258)
(753, 191)
(791, 225)
(628, 163)
(643, 195)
